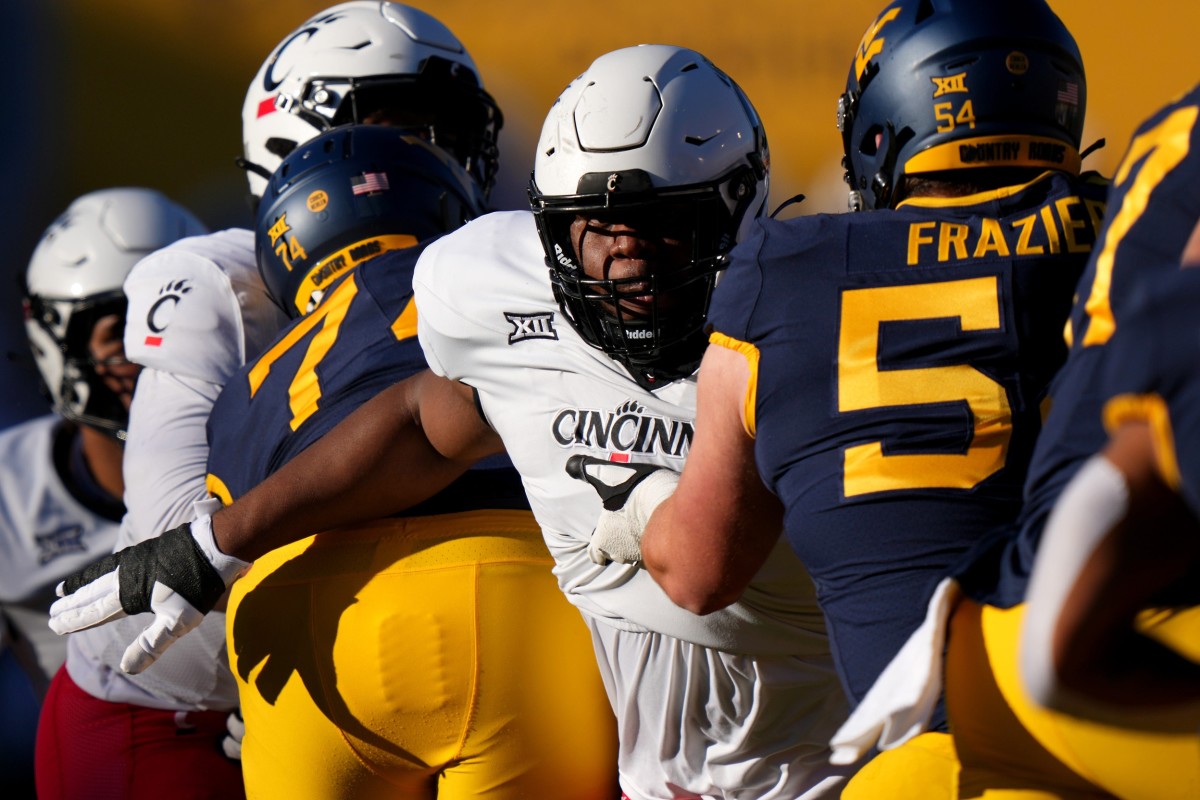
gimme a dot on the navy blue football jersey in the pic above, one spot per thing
(1153, 206)
(358, 341)
(1151, 372)
(902, 359)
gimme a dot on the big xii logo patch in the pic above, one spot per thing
(531, 326)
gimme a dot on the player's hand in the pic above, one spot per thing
(179, 576)
(630, 493)
(235, 731)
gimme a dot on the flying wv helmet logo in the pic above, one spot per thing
(872, 43)
(624, 431)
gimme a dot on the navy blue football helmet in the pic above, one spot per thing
(345, 197)
(939, 85)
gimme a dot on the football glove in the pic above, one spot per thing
(231, 742)
(178, 576)
(630, 493)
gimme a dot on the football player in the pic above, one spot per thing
(876, 378)
(1110, 624)
(1001, 734)
(882, 371)
(62, 485)
(443, 638)
(199, 310)
(650, 166)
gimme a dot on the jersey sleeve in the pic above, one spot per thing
(166, 452)
(1151, 210)
(457, 287)
(198, 308)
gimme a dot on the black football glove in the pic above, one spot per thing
(178, 576)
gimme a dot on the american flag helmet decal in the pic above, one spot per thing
(369, 182)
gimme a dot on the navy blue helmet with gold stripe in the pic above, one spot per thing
(938, 85)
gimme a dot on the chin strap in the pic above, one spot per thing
(250, 166)
(1093, 147)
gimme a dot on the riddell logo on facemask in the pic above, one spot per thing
(562, 258)
(625, 429)
(637, 333)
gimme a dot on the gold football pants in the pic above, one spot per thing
(1005, 747)
(418, 658)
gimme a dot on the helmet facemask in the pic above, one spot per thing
(60, 332)
(443, 105)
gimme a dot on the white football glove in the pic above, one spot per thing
(179, 576)
(231, 742)
(630, 493)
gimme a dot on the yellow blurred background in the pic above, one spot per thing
(155, 87)
(149, 92)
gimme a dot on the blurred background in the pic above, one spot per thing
(149, 92)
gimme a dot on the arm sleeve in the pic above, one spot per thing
(166, 452)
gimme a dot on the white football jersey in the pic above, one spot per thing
(197, 310)
(488, 318)
(738, 703)
(198, 307)
(46, 534)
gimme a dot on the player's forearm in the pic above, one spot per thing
(374, 463)
(1133, 672)
(1117, 538)
(691, 580)
(705, 554)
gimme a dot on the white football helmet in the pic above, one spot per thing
(75, 277)
(361, 58)
(660, 128)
